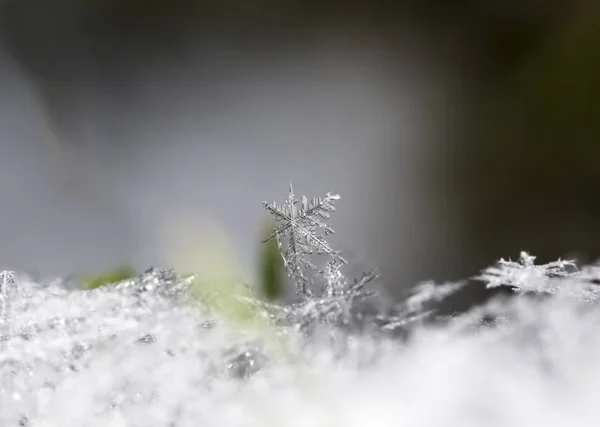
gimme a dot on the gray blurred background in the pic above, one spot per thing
(456, 132)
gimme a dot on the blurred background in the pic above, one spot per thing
(456, 132)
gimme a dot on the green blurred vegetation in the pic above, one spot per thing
(199, 246)
(120, 273)
(272, 281)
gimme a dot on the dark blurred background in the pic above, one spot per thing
(456, 132)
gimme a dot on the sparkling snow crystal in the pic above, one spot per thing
(300, 228)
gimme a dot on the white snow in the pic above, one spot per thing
(539, 365)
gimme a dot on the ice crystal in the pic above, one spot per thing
(335, 282)
(341, 302)
(561, 278)
(336, 309)
(304, 230)
(427, 293)
(418, 307)
(525, 274)
(6, 277)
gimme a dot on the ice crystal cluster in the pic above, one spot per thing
(147, 352)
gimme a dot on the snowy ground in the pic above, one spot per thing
(143, 355)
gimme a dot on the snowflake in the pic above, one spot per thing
(300, 229)
(525, 275)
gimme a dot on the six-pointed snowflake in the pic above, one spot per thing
(300, 228)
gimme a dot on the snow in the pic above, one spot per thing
(76, 358)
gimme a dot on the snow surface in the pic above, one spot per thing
(142, 354)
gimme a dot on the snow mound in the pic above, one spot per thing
(145, 353)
